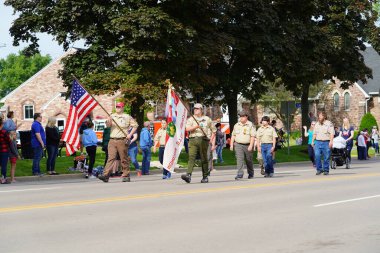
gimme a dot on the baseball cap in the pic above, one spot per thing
(119, 104)
(198, 105)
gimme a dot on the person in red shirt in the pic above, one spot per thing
(5, 143)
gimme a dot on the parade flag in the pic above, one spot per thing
(176, 116)
(81, 105)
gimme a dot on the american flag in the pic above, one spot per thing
(80, 106)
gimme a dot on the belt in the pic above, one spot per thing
(162, 146)
(246, 144)
(122, 138)
(323, 141)
(196, 137)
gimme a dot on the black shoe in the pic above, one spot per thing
(126, 179)
(266, 175)
(238, 177)
(250, 176)
(204, 180)
(104, 178)
(325, 173)
(186, 178)
(319, 172)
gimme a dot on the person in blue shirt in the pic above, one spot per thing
(145, 145)
(38, 142)
(90, 142)
(10, 124)
(132, 152)
(309, 133)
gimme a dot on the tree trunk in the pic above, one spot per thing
(305, 110)
(138, 113)
(232, 110)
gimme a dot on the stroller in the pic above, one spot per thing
(339, 155)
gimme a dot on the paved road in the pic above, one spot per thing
(296, 211)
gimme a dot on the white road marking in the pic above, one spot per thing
(345, 201)
(32, 189)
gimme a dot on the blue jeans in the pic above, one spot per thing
(36, 160)
(146, 160)
(4, 163)
(132, 153)
(322, 148)
(52, 152)
(267, 157)
(219, 150)
(349, 148)
(310, 151)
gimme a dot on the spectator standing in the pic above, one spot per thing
(5, 142)
(52, 144)
(368, 143)
(119, 143)
(160, 140)
(347, 132)
(220, 142)
(38, 141)
(242, 140)
(90, 142)
(10, 124)
(322, 142)
(266, 136)
(13, 154)
(362, 147)
(146, 145)
(375, 138)
(132, 152)
(309, 133)
(105, 141)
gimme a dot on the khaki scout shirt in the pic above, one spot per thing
(323, 131)
(204, 122)
(266, 134)
(124, 121)
(244, 132)
(160, 137)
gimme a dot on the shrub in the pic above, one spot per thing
(368, 121)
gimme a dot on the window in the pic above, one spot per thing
(347, 101)
(336, 101)
(28, 111)
(61, 124)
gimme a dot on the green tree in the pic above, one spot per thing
(134, 46)
(323, 39)
(16, 69)
(368, 121)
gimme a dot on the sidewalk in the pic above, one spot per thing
(78, 175)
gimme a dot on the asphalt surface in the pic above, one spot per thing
(295, 211)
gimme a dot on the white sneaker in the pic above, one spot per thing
(92, 177)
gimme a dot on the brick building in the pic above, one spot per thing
(355, 101)
(43, 93)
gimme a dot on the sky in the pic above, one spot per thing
(46, 42)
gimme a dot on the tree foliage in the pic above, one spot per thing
(367, 122)
(16, 69)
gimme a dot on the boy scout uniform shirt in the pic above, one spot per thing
(204, 122)
(266, 134)
(161, 136)
(244, 132)
(323, 131)
(124, 121)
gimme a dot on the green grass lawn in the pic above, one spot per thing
(297, 154)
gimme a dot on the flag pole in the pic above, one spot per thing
(187, 109)
(109, 115)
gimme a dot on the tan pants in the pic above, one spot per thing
(117, 146)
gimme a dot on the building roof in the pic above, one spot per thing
(372, 60)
